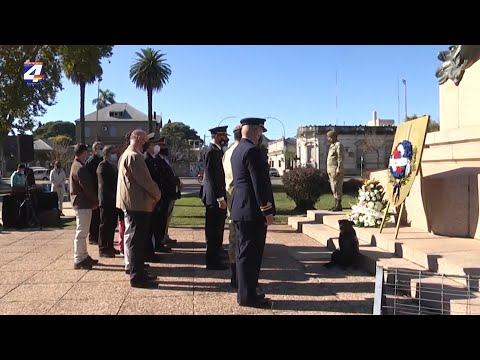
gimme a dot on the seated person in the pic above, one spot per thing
(18, 179)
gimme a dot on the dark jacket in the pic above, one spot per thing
(92, 164)
(214, 176)
(107, 175)
(253, 196)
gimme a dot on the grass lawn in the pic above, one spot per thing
(190, 212)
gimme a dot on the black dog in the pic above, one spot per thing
(349, 251)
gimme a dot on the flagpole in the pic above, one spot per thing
(398, 98)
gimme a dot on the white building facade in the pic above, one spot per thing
(281, 154)
(366, 147)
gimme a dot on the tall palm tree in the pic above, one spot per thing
(105, 98)
(150, 72)
(82, 65)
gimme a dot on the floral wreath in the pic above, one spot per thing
(401, 165)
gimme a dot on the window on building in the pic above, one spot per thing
(116, 113)
(279, 163)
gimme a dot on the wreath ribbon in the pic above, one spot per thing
(396, 190)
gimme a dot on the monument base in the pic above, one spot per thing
(445, 196)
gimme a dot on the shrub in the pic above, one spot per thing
(304, 186)
(351, 186)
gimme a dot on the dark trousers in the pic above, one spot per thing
(94, 226)
(108, 223)
(251, 237)
(214, 228)
(140, 224)
(161, 226)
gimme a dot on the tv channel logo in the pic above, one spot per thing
(33, 72)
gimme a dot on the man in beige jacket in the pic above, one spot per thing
(137, 195)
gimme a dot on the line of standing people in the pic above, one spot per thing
(138, 191)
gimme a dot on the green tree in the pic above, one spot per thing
(21, 103)
(105, 98)
(432, 125)
(61, 139)
(150, 72)
(177, 135)
(82, 65)
(54, 128)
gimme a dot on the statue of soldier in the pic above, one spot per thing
(335, 170)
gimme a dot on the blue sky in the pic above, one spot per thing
(296, 84)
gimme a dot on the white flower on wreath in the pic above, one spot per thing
(408, 168)
(370, 204)
(378, 206)
(379, 196)
(375, 191)
(372, 186)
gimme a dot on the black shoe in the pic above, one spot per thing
(144, 266)
(163, 249)
(83, 265)
(92, 261)
(143, 284)
(149, 277)
(106, 254)
(261, 296)
(259, 304)
(217, 267)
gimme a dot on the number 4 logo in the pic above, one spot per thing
(32, 72)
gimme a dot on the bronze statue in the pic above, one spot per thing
(456, 60)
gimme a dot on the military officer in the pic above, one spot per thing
(232, 236)
(253, 209)
(214, 197)
(335, 157)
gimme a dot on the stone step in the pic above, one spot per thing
(465, 306)
(318, 215)
(438, 293)
(371, 255)
(297, 222)
(439, 254)
(405, 274)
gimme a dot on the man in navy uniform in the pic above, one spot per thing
(253, 209)
(214, 197)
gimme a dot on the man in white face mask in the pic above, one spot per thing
(155, 237)
(92, 164)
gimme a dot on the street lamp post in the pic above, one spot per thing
(405, 85)
(98, 100)
(283, 150)
(228, 117)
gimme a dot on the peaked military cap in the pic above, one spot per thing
(219, 130)
(254, 121)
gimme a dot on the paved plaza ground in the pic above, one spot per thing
(37, 277)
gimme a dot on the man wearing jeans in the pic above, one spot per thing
(84, 198)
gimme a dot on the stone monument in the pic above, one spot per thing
(444, 198)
